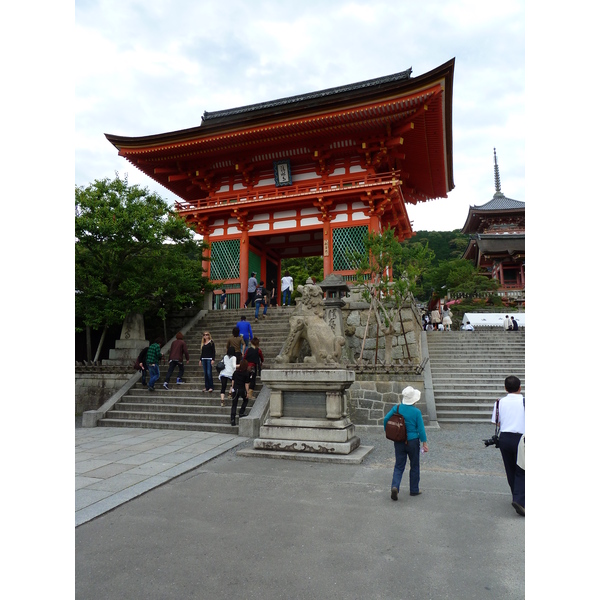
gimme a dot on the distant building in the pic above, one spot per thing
(497, 239)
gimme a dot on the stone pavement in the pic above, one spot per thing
(114, 465)
(248, 527)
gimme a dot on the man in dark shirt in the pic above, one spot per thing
(261, 297)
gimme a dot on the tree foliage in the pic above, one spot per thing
(458, 276)
(132, 254)
(391, 272)
(301, 269)
(446, 245)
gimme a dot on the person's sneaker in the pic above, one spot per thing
(394, 493)
(166, 385)
(179, 381)
(150, 389)
(256, 319)
(416, 493)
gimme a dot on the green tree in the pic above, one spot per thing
(301, 269)
(458, 276)
(446, 245)
(132, 254)
(387, 291)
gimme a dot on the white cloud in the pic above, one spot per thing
(156, 66)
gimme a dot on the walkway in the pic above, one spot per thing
(114, 465)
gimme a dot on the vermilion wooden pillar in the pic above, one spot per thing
(244, 274)
(327, 249)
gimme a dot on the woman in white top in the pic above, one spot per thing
(226, 375)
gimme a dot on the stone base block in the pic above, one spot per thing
(308, 446)
(354, 458)
(316, 435)
(329, 424)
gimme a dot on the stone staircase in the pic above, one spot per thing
(186, 406)
(468, 369)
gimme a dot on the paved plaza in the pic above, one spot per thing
(115, 465)
(250, 527)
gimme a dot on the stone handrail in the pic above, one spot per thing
(91, 417)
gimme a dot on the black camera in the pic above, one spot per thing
(493, 441)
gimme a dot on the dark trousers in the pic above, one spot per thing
(508, 444)
(252, 377)
(172, 365)
(251, 296)
(234, 403)
(410, 451)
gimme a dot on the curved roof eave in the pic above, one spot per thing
(304, 103)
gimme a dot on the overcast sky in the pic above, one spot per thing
(152, 66)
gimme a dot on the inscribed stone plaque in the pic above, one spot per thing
(307, 405)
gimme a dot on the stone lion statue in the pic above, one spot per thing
(307, 324)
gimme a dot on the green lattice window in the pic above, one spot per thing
(225, 260)
(254, 264)
(346, 241)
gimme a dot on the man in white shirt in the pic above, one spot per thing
(287, 287)
(507, 323)
(509, 412)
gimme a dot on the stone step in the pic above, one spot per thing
(445, 397)
(465, 419)
(473, 384)
(176, 408)
(169, 416)
(180, 425)
(466, 407)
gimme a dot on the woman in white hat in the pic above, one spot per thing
(415, 433)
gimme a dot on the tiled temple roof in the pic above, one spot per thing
(369, 83)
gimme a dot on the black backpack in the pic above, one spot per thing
(395, 428)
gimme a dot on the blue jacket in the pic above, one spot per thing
(245, 329)
(415, 428)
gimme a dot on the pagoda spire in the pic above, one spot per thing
(496, 173)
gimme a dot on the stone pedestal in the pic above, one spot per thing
(308, 411)
(128, 348)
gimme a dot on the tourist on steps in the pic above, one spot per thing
(261, 298)
(237, 341)
(142, 364)
(415, 432)
(273, 293)
(245, 331)
(177, 352)
(252, 283)
(446, 318)
(207, 359)
(509, 414)
(287, 287)
(226, 375)
(241, 383)
(255, 359)
(154, 357)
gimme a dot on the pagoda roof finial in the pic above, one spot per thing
(496, 173)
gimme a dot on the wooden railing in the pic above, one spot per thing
(347, 183)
